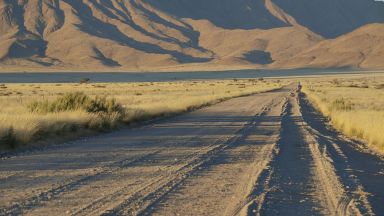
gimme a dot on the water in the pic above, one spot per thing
(74, 77)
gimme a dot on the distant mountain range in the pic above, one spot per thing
(140, 35)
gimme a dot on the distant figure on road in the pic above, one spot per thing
(299, 87)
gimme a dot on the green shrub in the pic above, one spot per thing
(77, 101)
(103, 105)
(67, 102)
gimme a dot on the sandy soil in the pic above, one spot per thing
(266, 154)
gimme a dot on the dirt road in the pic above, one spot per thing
(266, 154)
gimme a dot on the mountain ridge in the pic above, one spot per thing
(146, 35)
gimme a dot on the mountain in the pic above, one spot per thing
(189, 34)
(328, 18)
(362, 48)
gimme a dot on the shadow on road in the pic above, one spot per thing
(353, 166)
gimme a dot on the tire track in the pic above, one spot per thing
(67, 187)
(341, 203)
(352, 197)
(97, 205)
(100, 205)
(114, 167)
(337, 200)
(142, 201)
(279, 192)
(37, 200)
(254, 198)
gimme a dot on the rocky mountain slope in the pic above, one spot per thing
(174, 34)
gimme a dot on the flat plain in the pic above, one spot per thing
(268, 153)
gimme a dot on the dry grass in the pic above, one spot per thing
(140, 101)
(354, 106)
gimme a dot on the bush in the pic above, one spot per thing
(77, 101)
(8, 140)
(104, 122)
(103, 105)
(67, 102)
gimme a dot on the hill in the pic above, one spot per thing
(362, 48)
(176, 34)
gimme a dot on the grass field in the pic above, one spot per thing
(355, 106)
(21, 124)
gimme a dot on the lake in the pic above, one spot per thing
(72, 77)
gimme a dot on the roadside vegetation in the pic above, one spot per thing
(354, 106)
(34, 113)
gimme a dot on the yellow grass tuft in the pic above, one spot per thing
(355, 107)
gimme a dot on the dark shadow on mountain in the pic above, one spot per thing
(40, 62)
(186, 30)
(27, 46)
(228, 14)
(16, 12)
(104, 60)
(100, 29)
(60, 16)
(258, 57)
(40, 24)
(332, 18)
(127, 19)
